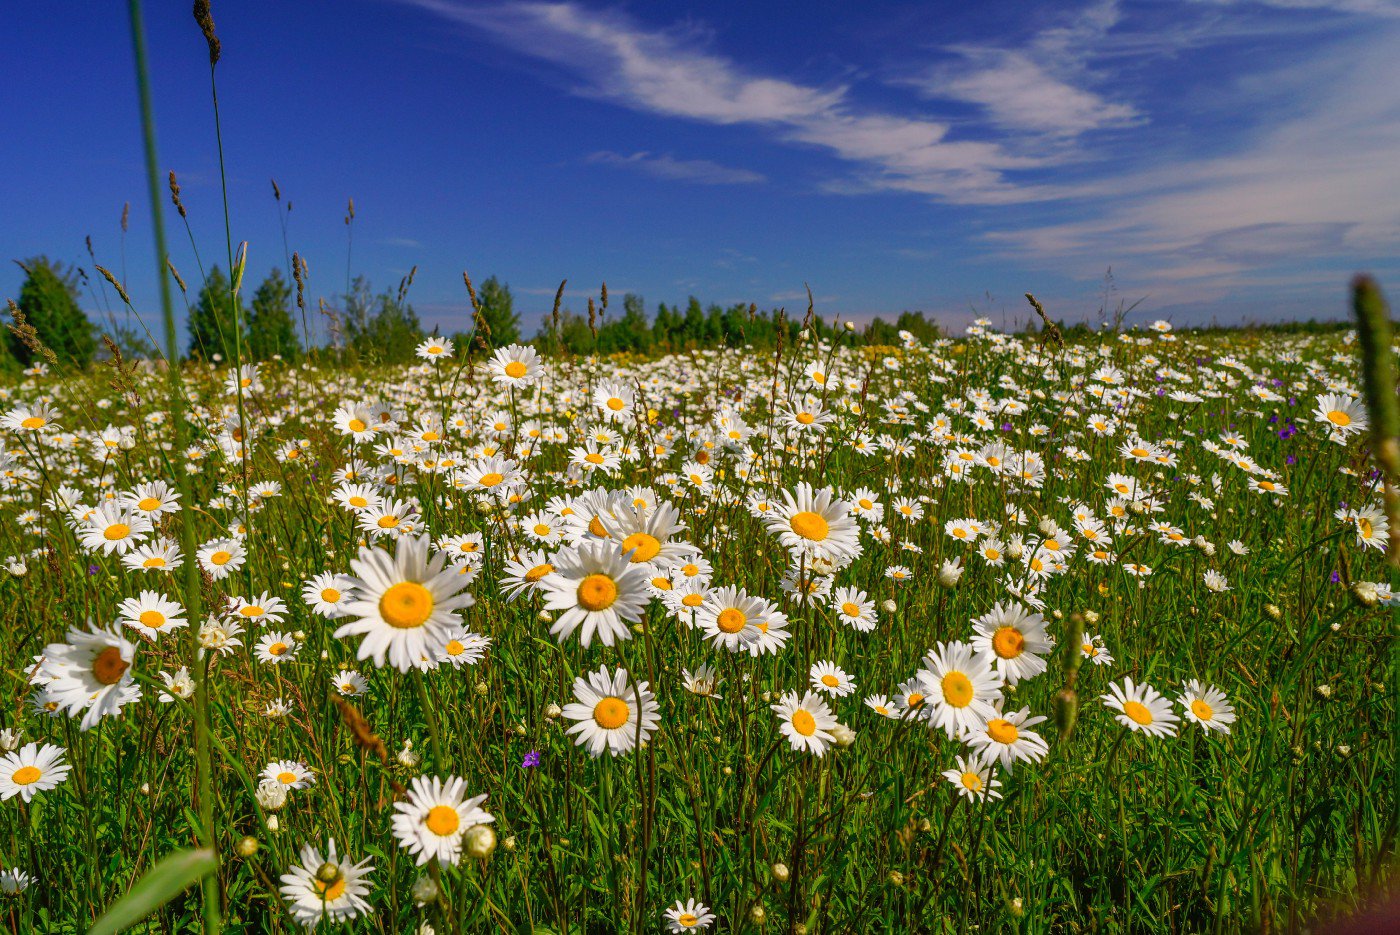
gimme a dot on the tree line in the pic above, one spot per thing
(383, 326)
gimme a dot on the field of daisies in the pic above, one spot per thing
(985, 634)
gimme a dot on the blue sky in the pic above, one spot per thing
(1229, 161)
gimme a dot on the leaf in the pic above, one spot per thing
(167, 879)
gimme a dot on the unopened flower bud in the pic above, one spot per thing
(553, 712)
(247, 846)
(780, 872)
(425, 890)
(479, 842)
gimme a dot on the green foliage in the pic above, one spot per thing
(49, 301)
(169, 878)
(213, 323)
(270, 327)
(498, 308)
(381, 328)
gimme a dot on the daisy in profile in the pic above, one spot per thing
(1207, 706)
(14, 881)
(649, 536)
(29, 418)
(289, 774)
(854, 608)
(261, 608)
(882, 706)
(180, 685)
(815, 522)
(220, 636)
(350, 684)
(1005, 738)
(702, 681)
(113, 528)
(961, 688)
(1013, 640)
(30, 770)
(159, 555)
(806, 722)
(405, 604)
(598, 591)
(523, 573)
(329, 887)
(974, 778)
(830, 679)
(515, 366)
(1141, 708)
(1095, 650)
(221, 558)
(434, 349)
(610, 713)
(152, 614)
(327, 594)
(689, 916)
(431, 823)
(91, 674)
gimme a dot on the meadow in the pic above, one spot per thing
(988, 633)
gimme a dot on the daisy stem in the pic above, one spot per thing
(420, 681)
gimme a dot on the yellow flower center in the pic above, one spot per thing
(1202, 710)
(406, 605)
(26, 776)
(357, 425)
(972, 781)
(388, 522)
(803, 722)
(957, 690)
(221, 557)
(108, 666)
(151, 618)
(1001, 731)
(643, 547)
(442, 820)
(850, 610)
(491, 479)
(831, 681)
(687, 920)
(515, 370)
(595, 526)
(692, 600)
(915, 699)
(148, 504)
(1137, 711)
(33, 422)
(252, 610)
(330, 891)
(1339, 418)
(286, 777)
(597, 592)
(330, 595)
(611, 713)
(731, 620)
(116, 532)
(809, 525)
(154, 561)
(277, 649)
(1008, 643)
(538, 572)
(616, 404)
(806, 418)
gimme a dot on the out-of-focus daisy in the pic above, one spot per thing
(91, 674)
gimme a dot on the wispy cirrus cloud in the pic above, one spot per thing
(665, 166)
(672, 73)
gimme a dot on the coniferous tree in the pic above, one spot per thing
(498, 308)
(270, 328)
(213, 323)
(49, 301)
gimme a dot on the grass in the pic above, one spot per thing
(1289, 815)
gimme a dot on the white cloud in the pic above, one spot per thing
(663, 166)
(669, 73)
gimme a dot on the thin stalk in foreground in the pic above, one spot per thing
(210, 883)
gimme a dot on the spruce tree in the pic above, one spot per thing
(49, 301)
(270, 328)
(498, 308)
(213, 326)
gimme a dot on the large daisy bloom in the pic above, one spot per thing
(516, 365)
(960, 687)
(1341, 414)
(598, 590)
(405, 604)
(91, 673)
(645, 535)
(806, 722)
(816, 523)
(1141, 708)
(1013, 640)
(431, 823)
(329, 886)
(1006, 739)
(607, 709)
(30, 770)
(113, 528)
